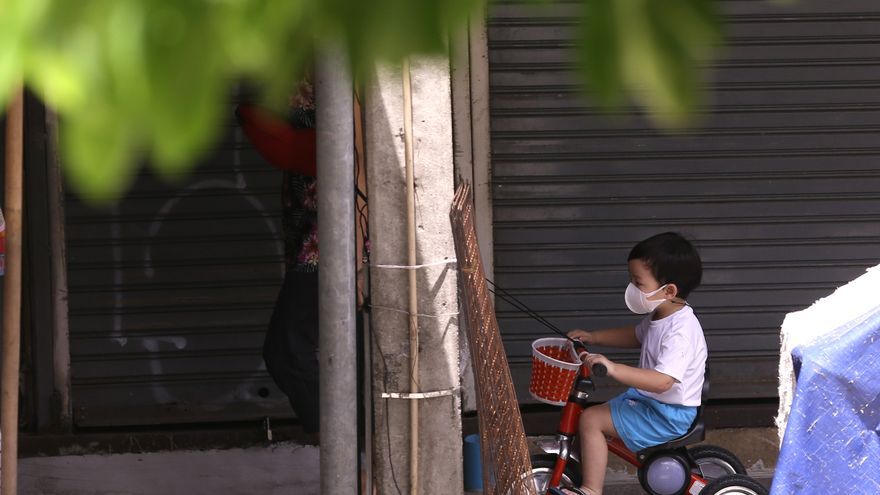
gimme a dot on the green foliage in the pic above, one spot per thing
(145, 80)
(649, 49)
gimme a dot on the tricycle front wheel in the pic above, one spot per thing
(542, 471)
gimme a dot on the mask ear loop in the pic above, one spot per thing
(656, 291)
(675, 299)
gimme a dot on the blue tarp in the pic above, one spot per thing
(832, 440)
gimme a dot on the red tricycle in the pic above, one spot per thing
(559, 377)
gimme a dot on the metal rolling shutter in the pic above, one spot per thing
(779, 186)
(171, 291)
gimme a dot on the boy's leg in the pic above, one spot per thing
(595, 426)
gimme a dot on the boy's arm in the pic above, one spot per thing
(645, 379)
(609, 337)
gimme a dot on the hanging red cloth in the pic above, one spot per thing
(278, 142)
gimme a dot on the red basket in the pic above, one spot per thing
(554, 368)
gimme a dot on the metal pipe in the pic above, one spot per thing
(12, 294)
(337, 276)
(413, 290)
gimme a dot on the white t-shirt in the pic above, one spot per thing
(675, 346)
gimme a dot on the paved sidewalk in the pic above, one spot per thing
(284, 468)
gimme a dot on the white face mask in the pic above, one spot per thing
(637, 301)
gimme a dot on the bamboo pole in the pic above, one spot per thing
(413, 294)
(12, 295)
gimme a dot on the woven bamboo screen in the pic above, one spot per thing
(506, 464)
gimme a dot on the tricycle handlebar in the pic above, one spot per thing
(597, 369)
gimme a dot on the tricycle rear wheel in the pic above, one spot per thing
(714, 462)
(734, 484)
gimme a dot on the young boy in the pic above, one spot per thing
(665, 389)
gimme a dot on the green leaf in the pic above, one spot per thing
(144, 81)
(651, 50)
(18, 20)
(100, 155)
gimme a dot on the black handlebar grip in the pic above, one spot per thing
(599, 370)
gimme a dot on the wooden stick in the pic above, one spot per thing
(413, 287)
(12, 296)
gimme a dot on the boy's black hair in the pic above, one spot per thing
(672, 259)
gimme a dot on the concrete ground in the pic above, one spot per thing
(284, 468)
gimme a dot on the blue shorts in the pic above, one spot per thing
(643, 422)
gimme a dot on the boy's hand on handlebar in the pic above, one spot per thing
(594, 359)
(582, 335)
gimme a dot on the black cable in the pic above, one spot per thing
(513, 301)
(516, 303)
(385, 403)
(362, 219)
(597, 369)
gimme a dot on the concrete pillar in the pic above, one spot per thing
(440, 458)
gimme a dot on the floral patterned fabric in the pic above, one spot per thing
(300, 222)
(300, 198)
(300, 195)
